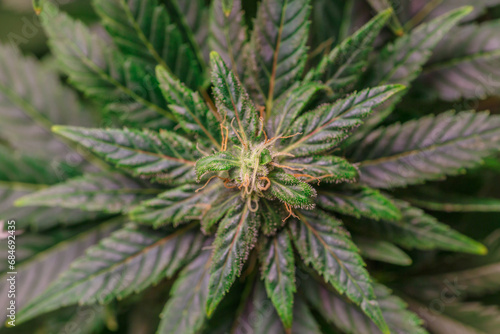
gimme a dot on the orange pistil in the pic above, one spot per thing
(206, 184)
(308, 176)
(225, 136)
(285, 167)
(268, 183)
(226, 181)
(290, 212)
(238, 135)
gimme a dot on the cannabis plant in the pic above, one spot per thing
(235, 164)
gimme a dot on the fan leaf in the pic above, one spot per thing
(359, 202)
(278, 50)
(145, 31)
(325, 127)
(426, 149)
(164, 157)
(323, 243)
(278, 271)
(185, 310)
(175, 206)
(127, 262)
(106, 192)
(228, 34)
(342, 69)
(236, 236)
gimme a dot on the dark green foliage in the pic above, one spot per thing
(279, 197)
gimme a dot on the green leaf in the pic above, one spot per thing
(225, 202)
(445, 6)
(233, 101)
(401, 62)
(350, 319)
(292, 104)
(463, 318)
(278, 50)
(175, 206)
(106, 192)
(323, 243)
(465, 63)
(163, 157)
(329, 169)
(185, 310)
(383, 251)
(426, 149)
(421, 231)
(41, 269)
(448, 202)
(359, 202)
(469, 276)
(32, 99)
(191, 17)
(342, 69)
(258, 314)
(278, 271)
(326, 23)
(304, 321)
(217, 162)
(145, 31)
(325, 127)
(290, 190)
(190, 110)
(104, 74)
(385, 5)
(127, 262)
(272, 216)
(228, 34)
(236, 236)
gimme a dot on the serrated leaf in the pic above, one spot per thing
(325, 127)
(278, 48)
(290, 190)
(324, 244)
(225, 202)
(290, 105)
(329, 169)
(103, 73)
(185, 310)
(419, 230)
(191, 17)
(217, 162)
(401, 62)
(358, 202)
(384, 5)
(189, 108)
(465, 64)
(46, 265)
(106, 192)
(383, 251)
(127, 262)
(342, 69)
(426, 149)
(233, 102)
(236, 236)
(145, 31)
(278, 271)
(228, 34)
(32, 99)
(163, 157)
(350, 319)
(463, 318)
(271, 215)
(175, 206)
